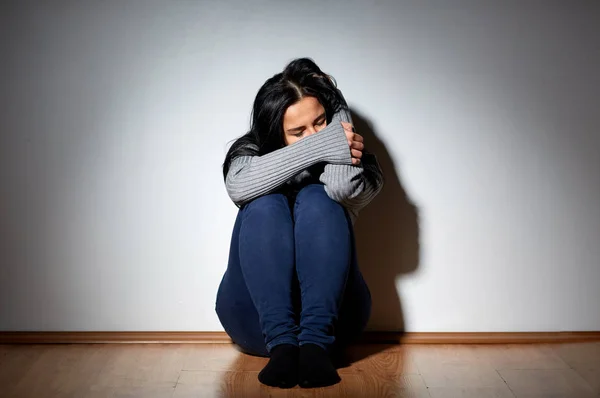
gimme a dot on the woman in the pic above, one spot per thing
(292, 290)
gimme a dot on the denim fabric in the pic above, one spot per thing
(292, 275)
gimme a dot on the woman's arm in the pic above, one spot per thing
(252, 176)
(353, 186)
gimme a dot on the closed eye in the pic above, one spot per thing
(318, 123)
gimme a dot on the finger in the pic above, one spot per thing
(358, 137)
(356, 153)
(348, 126)
(357, 145)
(355, 161)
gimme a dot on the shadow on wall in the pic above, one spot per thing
(387, 237)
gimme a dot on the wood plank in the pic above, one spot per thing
(383, 359)
(468, 392)
(519, 356)
(581, 355)
(27, 337)
(592, 377)
(375, 370)
(454, 366)
(539, 383)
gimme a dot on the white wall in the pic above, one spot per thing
(115, 118)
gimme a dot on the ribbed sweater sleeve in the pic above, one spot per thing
(353, 186)
(250, 177)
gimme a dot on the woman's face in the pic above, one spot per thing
(304, 118)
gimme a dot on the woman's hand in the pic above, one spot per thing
(355, 141)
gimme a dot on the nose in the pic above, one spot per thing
(311, 131)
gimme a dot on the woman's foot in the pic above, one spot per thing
(315, 368)
(282, 369)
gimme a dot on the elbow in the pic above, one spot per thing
(237, 200)
(235, 193)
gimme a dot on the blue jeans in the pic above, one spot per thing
(292, 276)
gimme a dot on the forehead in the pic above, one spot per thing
(302, 112)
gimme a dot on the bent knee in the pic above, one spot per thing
(314, 194)
(313, 200)
(268, 205)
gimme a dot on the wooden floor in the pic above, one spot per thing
(219, 370)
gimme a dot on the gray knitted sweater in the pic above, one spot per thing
(323, 157)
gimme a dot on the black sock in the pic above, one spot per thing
(282, 369)
(315, 368)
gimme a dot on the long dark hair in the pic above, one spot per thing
(300, 78)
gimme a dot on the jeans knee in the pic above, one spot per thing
(313, 201)
(272, 205)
